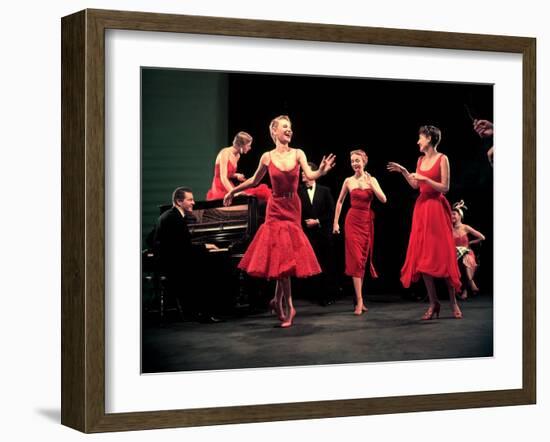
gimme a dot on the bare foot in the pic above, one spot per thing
(288, 322)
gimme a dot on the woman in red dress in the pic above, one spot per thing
(280, 248)
(225, 170)
(359, 224)
(464, 253)
(431, 251)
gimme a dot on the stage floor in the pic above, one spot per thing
(390, 331)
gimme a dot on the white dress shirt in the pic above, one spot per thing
(311, 192)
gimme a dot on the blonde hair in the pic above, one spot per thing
(362, 154)
(459, 208)
(275, 123)
(242, 139)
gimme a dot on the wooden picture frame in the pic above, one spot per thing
(83, 220)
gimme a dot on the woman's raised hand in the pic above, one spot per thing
(327, 163)
(395, 167)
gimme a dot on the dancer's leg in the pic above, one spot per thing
(433, 310)
(358, 288)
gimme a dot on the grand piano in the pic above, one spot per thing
(231, 229)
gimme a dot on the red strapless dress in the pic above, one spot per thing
(217, 191)
(280, 247)
(359, 233)
(431, 247)
(468, 258)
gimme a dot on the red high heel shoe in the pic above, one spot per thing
(456, 312)
(288, 322)
(431, 312)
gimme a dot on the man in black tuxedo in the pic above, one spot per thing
(181, 260)
(317, 218)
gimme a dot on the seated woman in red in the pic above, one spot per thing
(359, 224)
(464, 253)
(225, 170)
(431, 251)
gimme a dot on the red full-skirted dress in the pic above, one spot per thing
(359, 233)
(431, 247)
(217, 190)
(280, 247)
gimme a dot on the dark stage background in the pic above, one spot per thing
(338, 115)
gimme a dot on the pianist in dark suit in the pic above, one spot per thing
(179, 258)
(317, 215)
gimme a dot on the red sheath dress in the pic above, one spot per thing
(280, 247)
(359, 233)
(431, 247)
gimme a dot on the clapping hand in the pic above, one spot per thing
(395, 167)
(418, 177)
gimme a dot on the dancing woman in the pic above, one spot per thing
(359, 224)
(280, 249)
(465, 255)
(431, 251)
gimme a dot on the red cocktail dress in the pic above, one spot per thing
(359, 233)
(431, 247)
(280, 247)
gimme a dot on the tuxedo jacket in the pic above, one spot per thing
(172, 242)
(322, 208)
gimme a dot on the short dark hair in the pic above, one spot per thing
(179, 193)
(431, 131)
(312, 166)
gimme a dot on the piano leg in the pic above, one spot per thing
(242, 296)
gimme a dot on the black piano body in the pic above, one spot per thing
(231, 229)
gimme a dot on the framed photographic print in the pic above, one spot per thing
(153, 103)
